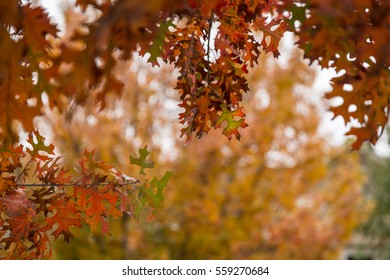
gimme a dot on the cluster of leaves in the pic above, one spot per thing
(57, 201)
(353, 37)
(211, 81)
(212, 43)
(214, 46)
(24, 55)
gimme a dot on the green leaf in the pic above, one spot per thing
(151, 196)
(161, 184)
(298, 14)
(234, 120)
(141, 160)
(156, 48)
(37, 142)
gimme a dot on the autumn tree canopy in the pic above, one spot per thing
(212, 44)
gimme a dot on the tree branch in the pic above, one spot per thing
(72, 185)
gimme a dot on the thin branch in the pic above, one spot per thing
(72, 185)
(210, 22)
(24, 170)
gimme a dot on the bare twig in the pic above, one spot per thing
(72, 185)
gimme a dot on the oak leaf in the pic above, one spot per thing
(142, 160)
(234, 120)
